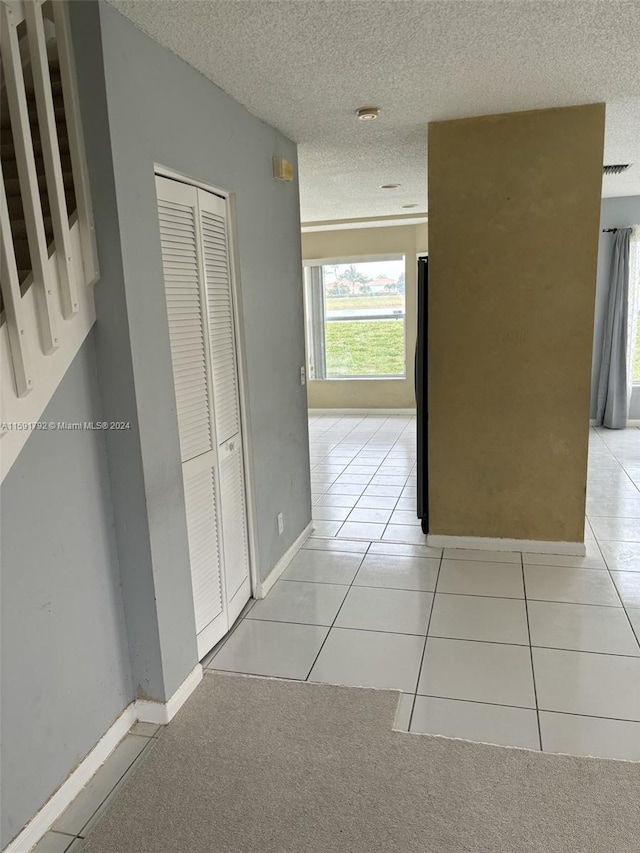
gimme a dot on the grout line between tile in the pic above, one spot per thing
(335, 617)
(137, 760)
(424, 648)
(635, 633)
(528, 708)
(533, 672)
(352, 628)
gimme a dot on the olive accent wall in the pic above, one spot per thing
(514, 209)
(363, 243)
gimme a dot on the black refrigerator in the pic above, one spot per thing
(422, 402)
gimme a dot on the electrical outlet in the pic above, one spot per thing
(280, 524)
(303, 376)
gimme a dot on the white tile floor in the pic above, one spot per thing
(518, 649)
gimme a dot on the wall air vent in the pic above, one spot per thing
(615, 170)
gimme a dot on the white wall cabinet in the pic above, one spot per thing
(202, 330)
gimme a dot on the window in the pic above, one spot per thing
(356, 319)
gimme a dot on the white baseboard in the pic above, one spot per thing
(263, 587)
(383, 412)
(484, 543)
(631, 422)
(71, 787)
(162, 713)
(143, 711)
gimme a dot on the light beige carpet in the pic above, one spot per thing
(253, 765)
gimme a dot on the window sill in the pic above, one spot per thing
(361, 379)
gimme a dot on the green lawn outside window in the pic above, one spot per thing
(365, 348)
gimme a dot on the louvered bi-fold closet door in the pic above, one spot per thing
(226, 396)
(184, 290)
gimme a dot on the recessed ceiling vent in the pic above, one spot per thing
(615, 170)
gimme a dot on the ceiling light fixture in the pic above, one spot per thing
(390, 186)
(368, 113)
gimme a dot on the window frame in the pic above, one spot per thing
(317, 348)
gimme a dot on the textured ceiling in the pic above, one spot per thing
(305, 66)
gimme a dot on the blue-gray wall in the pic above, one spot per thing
(65, 661)
(144, 106)
(162, 111)
(96, 590)
(615, 213)
(116, 377)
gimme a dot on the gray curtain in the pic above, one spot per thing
(613, 386)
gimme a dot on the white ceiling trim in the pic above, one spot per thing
(349, 224)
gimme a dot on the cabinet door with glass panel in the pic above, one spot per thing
(355, 318)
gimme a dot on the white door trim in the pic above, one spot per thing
(236, 292)
(243, 386)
